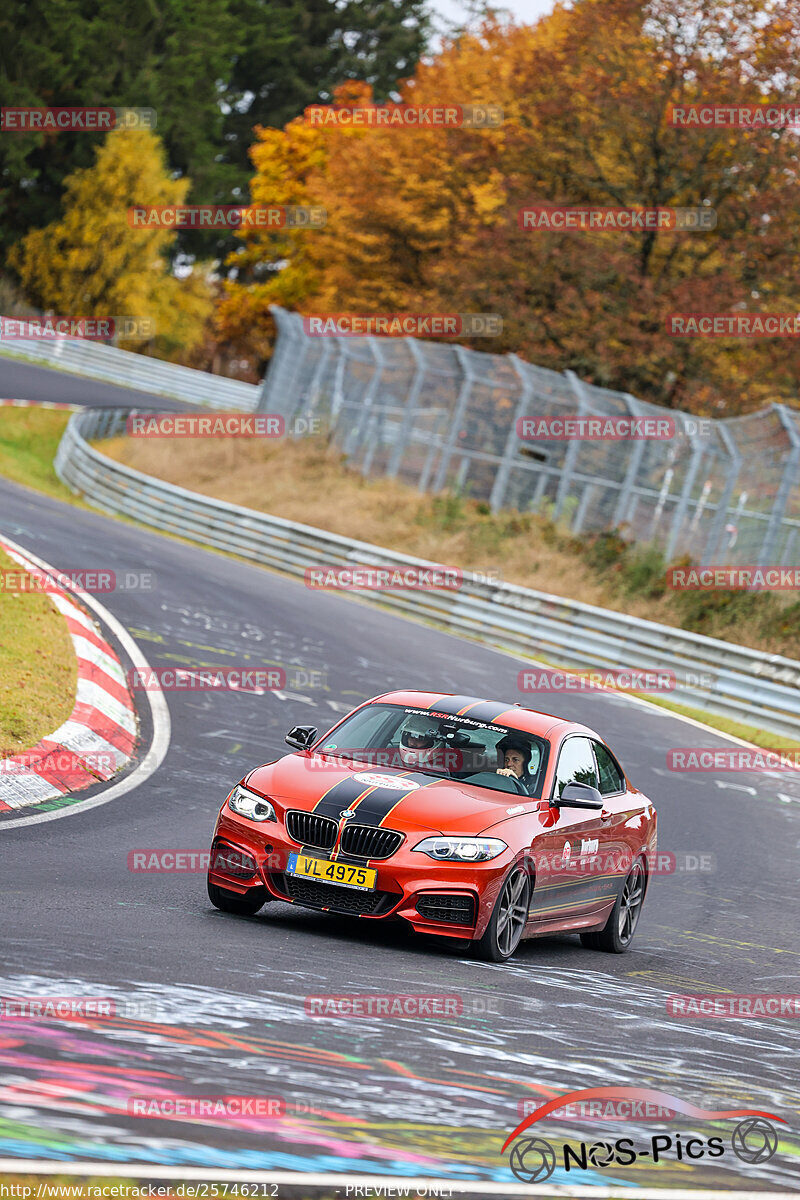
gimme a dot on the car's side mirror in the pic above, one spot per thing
(300, 737)
(579, 795)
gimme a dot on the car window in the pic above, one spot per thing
(461, 747)
(369, 727)
(575, 764)
(611, 778)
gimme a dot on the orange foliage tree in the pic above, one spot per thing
(425, 219)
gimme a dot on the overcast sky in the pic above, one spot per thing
(526, 11)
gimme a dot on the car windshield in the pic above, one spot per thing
(412, 739)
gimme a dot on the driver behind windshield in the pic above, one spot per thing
(421, 742)
(516, 759)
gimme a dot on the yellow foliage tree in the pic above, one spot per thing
(92, 263)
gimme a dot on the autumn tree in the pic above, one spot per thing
(92, 262)
(427, 218)
(211, 68)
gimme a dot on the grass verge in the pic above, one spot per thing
(38, 668)
(306, 480)
(29, 439)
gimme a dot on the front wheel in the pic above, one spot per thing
(508, 919)
(617, 934)
(232, 902)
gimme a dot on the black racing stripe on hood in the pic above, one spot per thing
(375, 807)
(342, 795)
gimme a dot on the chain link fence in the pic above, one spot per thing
(440, 416)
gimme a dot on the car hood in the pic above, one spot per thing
(404, 800)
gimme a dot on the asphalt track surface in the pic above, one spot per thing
(388, 1097)
(20, 380)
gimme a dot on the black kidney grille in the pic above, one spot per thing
(368, 841)
(311, 830)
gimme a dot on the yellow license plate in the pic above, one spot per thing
(327, 871)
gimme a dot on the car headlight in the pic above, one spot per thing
(461, 849)
(248, 804)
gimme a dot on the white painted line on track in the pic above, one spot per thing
(158, 708)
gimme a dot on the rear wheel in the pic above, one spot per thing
(508, 919)
(617, 934)
(231, 902)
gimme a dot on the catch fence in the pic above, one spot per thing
(442, 416)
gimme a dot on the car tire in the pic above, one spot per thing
(232, 902)
(617, 934)
(499, 941)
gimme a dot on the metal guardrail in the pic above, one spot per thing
(743, 684)
(137, 371)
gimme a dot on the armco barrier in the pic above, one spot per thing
(137, 371)
(745, 685)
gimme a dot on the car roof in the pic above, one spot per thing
(494, 712)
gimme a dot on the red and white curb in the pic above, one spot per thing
(100, 734)
(40, 404)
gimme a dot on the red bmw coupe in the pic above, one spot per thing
(467, 818)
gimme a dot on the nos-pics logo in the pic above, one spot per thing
(533, 1159)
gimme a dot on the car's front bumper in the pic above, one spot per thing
(447, 899)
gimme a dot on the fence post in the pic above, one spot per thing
(788, 477)
(572, 449)
(503, 472)
(458, 415)
(278, 386)
(354, 437)
(399, 448)
(337, 401)
(632, 469)
(314, 389)
(678, 517)
(717, 529)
